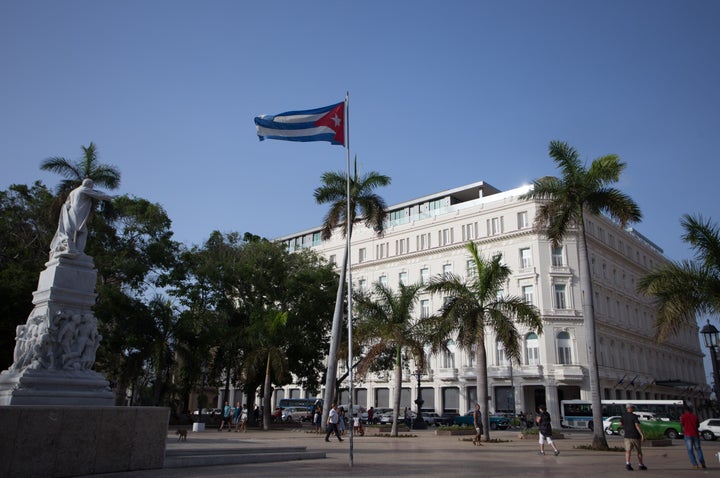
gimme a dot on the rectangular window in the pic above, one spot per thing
(425, 308)
(424, 275)
(527, 294)
(403, 278)
(560, 299)
(362, 284)
(445, 237)
(532, 352)
(383, 281)
(495, 226)
(525, 258)
(402, 246)
(332, 259)
(564, 354)
(424, 241)
(557, 256)
(522, 219)
(469, 231)
(362, 255)
(381, 250)
(470, 269)
(447, 269)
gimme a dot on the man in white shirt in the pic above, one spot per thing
(333, 419)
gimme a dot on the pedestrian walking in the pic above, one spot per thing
(477, 423)
(633, 437)
(333, 419)
(691, 425)
(227, 417)
(545, 430)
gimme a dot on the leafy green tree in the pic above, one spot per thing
(472, 307)
(103, 175)
(26, 229)
(387, 324)
(231, 286)
(347, 196)
(564, 202)
(689, 287)
(133, 251)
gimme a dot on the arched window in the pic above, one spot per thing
(532, 349)
(564, 348)
(449, 355)
(500, 357)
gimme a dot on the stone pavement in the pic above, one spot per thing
(423, 453)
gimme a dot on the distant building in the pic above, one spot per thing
(425, 237)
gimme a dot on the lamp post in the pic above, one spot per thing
(710, 336)
(419, 422)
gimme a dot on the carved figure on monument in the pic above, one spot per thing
(71, 234)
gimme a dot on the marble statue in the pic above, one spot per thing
(71, 234)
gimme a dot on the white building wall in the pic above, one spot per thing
(434, 236)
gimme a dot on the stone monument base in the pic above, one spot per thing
(57, 441)
(50, 387)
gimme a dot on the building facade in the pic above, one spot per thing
(427, 236)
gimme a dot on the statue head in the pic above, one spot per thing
(88, 183)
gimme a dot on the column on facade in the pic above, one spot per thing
(551, 402)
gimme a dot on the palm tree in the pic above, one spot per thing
(472, 306)
(386, 325)
(563, 204)
(684, 289)
(265, 337)
(88, 167)
(359, 193)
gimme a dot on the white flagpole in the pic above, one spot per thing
(349, 273)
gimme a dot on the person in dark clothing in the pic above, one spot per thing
(633, 437)
(545, 430)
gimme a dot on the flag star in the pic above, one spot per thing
(336, 120)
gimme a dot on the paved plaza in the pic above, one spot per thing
(423, 453)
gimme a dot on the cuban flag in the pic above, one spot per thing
(320, 124)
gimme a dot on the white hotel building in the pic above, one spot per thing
(427, 236)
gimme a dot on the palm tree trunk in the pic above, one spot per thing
(397, 393)
(267, 395)
(599, 440)
(331, 375)
(482, 385)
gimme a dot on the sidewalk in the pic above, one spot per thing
(425, 454)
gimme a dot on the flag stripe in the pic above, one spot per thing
(319, 124)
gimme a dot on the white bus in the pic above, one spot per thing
(578, 413)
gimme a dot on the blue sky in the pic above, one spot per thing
(442, 94)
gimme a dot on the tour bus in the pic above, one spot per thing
(308, 403)
(578, 413)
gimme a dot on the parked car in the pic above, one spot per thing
(496, 422)
(710, 428)
(388, 418)
(668, 428)
(379, 412)
(446, 418)
(431, 418)
(607, 422)
(296, 414)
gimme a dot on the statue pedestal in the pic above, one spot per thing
(55, 349)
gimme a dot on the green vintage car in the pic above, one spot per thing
(652, 427)
(496, 422)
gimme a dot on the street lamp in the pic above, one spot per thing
(710, 336)
(419, 422)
